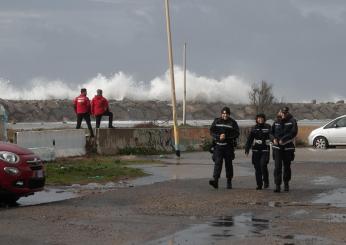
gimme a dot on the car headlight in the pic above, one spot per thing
(9, 157)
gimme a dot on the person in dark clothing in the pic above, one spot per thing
(259, 141)
(81, 105)
(99, 108)
(225, 132)
(283, 132)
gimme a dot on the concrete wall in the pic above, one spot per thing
(3, 134)
(72, 142)
(194, 138)
(3, 124)
(63, 143)
(110, 141)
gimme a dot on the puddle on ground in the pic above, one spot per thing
(161, 173)
(336, 198)
(325, 180)
(307, 239)
(300, 213)
(46, 196)
(333, 218)
(226, 228)
(76, 190)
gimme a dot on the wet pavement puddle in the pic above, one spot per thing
(326, 180)
(51, 194)
(307, 239)
(335, 198)
(226, 228)
(333, 218)
(48, 195)
(157, 173)
(167, 172)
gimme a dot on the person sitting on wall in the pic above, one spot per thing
(99, 108)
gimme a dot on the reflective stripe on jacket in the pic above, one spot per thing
(228, 127)
(259, 138)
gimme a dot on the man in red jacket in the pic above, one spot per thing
(99, 108)
(81, 106)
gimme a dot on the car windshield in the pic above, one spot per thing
(341, 122)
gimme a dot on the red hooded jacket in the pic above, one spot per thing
(81, 104)
(99, 105)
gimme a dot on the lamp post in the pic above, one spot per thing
(184, 99)
(171, 69)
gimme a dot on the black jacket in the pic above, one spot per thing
(285, 130)
(259, 138)
(228, 127)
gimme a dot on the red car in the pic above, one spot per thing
(21, 173)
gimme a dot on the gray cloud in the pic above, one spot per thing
(296, 45)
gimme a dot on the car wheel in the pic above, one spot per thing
(321, 143)
(10, 200)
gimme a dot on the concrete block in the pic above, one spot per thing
(45, 153)
(65, 142)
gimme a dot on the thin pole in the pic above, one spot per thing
(184, 99)
(171, 69)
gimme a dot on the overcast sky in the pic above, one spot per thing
(299, 46)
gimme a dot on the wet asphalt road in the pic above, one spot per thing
(176, 206)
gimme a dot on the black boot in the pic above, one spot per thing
(286, 188)
(277, 189)
(259, 187)
(214, 183)
(266, 185)
(229, 184)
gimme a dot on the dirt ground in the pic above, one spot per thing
(179, 207)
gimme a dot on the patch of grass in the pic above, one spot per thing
(207, 144)
(80, 170)
(140, 151)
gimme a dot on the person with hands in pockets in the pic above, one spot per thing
(283, 133)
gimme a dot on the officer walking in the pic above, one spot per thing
(225, 132)
(81, 105)
(284, 130)
(99, 108)
(259, 141)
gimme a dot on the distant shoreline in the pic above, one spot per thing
(60, 111)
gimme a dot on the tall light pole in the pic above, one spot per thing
(184, 99)
(171, 69)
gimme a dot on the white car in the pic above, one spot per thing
(331, 134)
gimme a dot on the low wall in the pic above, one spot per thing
(72, 142)
(303, 133)
(63, 143)
(110, 141)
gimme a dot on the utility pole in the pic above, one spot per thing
(184, 99)
(171, 69)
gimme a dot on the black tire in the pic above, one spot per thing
(321, 142)
(10, 200)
